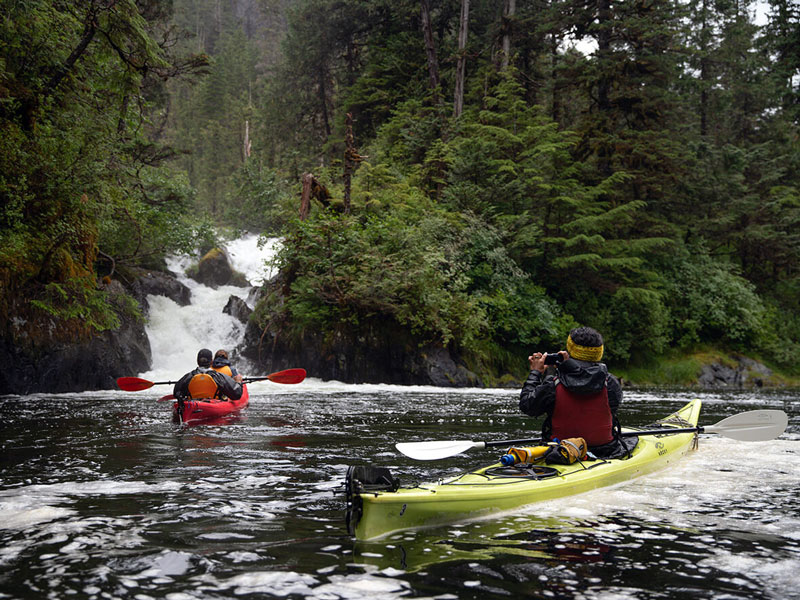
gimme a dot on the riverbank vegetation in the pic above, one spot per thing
(488, 174)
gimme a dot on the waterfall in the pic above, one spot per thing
(176, 332)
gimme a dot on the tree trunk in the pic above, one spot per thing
(509, 9)
(604, 82)
(704, 75)
(312, 189)
(351, 159)
(603, 52)
(458, 96)
(305, 197)
(88, 35)
(430, 49)
(555, 110)
(246, 145)
(323, 101)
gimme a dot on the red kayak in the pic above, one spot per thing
(194, 411)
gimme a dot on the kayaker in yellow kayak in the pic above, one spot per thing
(223, 364)
(205, 382)
(581, 399)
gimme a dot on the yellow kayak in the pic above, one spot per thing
(376, 506)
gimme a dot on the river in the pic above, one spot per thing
(102, 496)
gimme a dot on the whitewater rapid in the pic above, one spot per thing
(176, 333)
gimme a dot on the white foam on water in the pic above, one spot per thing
(76, 538)
(347, 587)
(59, 492)
(21, 515)
(378, 585)
(25, 506)
(280, 583)
(780, 573)
(40, 511)
(244, 557)
(319, 386)
(168, 563)
(248, 256)
(224, 536)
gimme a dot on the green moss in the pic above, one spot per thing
(212, 254)
(677, 371)
(683, 368)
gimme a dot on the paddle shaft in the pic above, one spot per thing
(272, 377)
(510, 442)
(662, 431)
(135, 384)
(245, 380)
(501, 443)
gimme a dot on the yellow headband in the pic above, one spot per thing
(587, 353)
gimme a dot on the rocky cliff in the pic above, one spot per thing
(53, 361)
(381, 352)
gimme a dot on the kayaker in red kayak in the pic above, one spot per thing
(581, 399)
(205, 382)
(222, 364)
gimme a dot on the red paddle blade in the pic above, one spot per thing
(288, 376)
(133, 384)
(167, 397)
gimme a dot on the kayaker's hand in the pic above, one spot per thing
(536, 361)
(238, 378)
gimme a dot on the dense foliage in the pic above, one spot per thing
(646, 185)
(628, 165)
(85, 184)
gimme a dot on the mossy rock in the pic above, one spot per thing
(214, 270)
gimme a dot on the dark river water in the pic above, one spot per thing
(101, 496)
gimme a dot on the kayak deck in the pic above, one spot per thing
(374, 512)
(195, 411)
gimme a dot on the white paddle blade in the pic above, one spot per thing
(752, 426)
(437, 449)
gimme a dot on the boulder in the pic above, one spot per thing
(718, 375)
(443, 371)
(745, 372)
(159, 283)
(238, 309)
(214, 270)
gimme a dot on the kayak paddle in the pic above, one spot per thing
(287, 376)
(751, 426)
(135, 384)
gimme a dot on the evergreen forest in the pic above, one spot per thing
(485, 174)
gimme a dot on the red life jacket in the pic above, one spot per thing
(582, 415)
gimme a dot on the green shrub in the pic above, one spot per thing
(710, 302)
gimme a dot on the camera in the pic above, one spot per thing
(552, 358)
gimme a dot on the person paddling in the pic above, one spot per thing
(222, 364)
(581, 399)
(205, 382)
